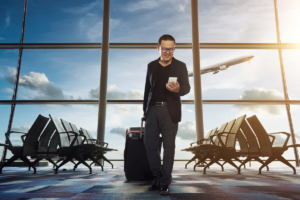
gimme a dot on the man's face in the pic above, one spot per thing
(166, 56)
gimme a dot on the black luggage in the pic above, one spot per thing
(136, 164)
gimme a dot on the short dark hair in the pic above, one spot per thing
(166, 37)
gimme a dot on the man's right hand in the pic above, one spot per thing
(144, 117)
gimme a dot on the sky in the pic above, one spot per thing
(75, 74)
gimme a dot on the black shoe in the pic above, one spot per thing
(155, 184)
(164, 190)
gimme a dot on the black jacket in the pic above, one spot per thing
(177, 69)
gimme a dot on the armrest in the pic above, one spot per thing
(211, 139)
(293, 145)
(4, 145)
(193, 143)
(273, 139)
(83, 139)
(75, 138)
(287, 138)
(202, 140)
(8, 133)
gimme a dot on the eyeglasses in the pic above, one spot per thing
(163, 49)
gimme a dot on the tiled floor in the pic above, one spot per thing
(278, 183)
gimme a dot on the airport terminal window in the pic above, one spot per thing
(59, 74)
(8, 62)
(64, 21)
(132, 21)
(259, 80)
(289, 20)
(11, 14)
(236, 21)
(75, 74)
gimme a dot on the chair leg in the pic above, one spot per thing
(240, 161)
(34, 162)
(232, 163)
(95, 161)
(244, 162)
(259, 160)
(194, 158)
(220, 165)
(201, 160)
(270, 159)
(67, 159)
(11, 160)
(59, 160)
(76, 165)
(51, 161)
(216, 159)
(283, 160)
(78, 157)
(25, 160)
(105, 159)
(92, 163)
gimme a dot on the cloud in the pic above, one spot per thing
(1, 38)
(7, 90)
(262, 94)
(37, 82)
(189, 110)
(187, 131)
(7, 20)
(114, 93)
(122, 109)
(91, 26)
(142, 5)
(119, 131)
(21, 128)
(180, 5)
(82, 8)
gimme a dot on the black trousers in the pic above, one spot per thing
(159, 122)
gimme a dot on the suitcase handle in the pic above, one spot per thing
(141, 131)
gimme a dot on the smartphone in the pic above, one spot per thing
(172, 79)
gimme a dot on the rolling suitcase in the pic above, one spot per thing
(136, 164)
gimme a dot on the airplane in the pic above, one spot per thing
(215, 68)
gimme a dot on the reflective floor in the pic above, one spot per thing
(278, 183)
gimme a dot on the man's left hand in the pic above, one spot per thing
(173, 87)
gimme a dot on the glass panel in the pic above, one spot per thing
(259, 80)
(64, 21)
(289, 23)
(237, 21)
(8, 62)
(291, 68)
(4, 115)
(11, 15)
(145, 21)
(58, 74)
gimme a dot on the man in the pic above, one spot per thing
(162, 110)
